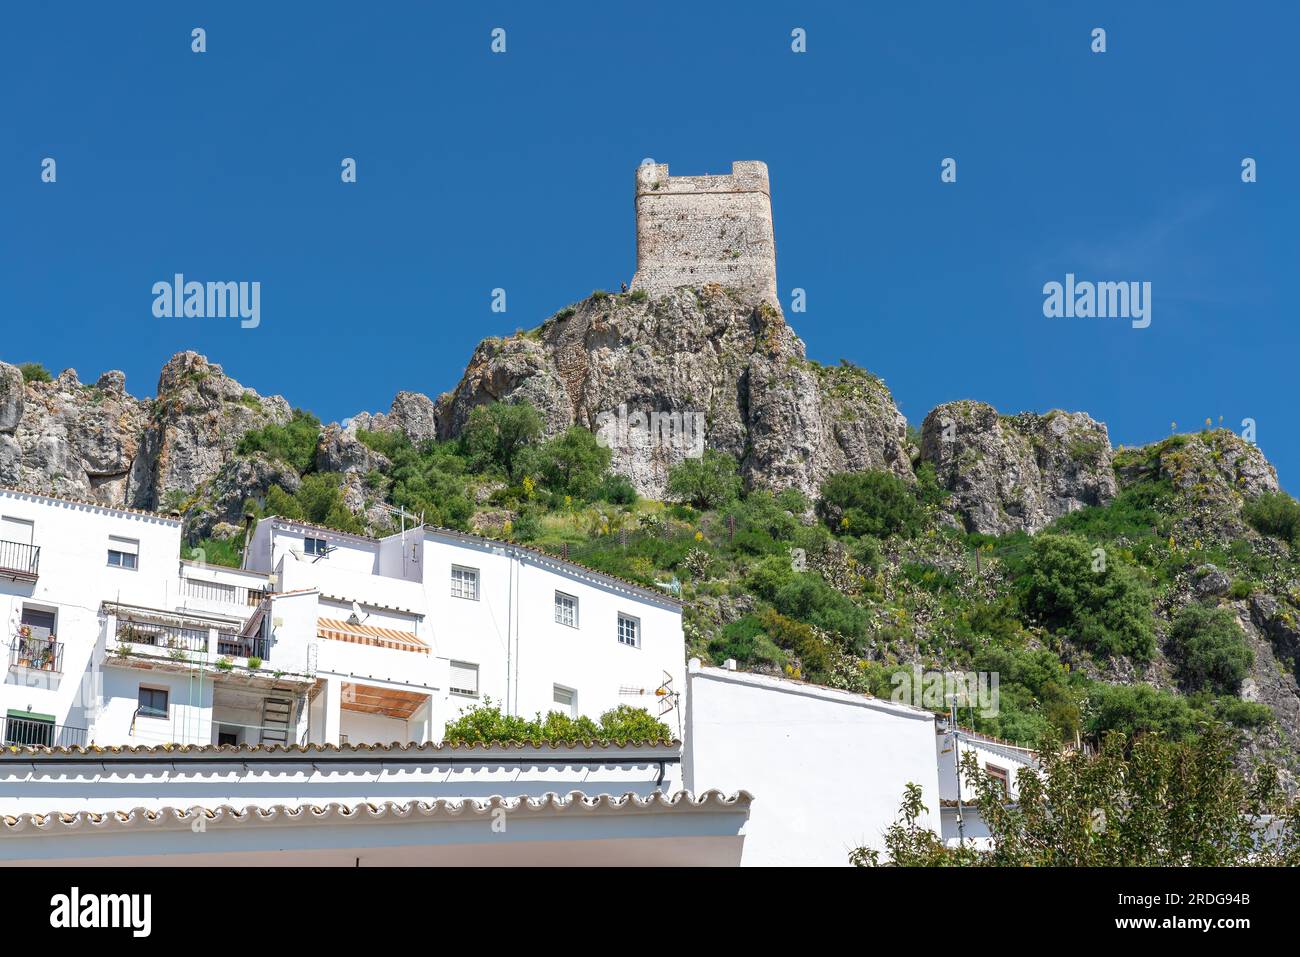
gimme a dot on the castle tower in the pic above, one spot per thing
(692, 230)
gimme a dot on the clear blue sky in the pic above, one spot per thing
(479, 171)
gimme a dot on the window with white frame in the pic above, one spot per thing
(566, 700)
(316, 547)
(464, 582)
(566, 609)
(629, 631)
(463, 679)
(123, 552)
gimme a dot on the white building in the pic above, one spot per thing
(334, 660)
(1000, 760)
(361, 805)
(322, 637)
(827, 768)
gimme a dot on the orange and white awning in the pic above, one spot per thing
(373, 635)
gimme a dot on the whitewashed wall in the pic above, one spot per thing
(827, 768)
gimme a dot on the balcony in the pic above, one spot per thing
(32, 733)
(235, 646)
(36, 654)
(179, 642)
(19, 562)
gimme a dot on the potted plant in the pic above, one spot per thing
(224, 664)
(254, 662)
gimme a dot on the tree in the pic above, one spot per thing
(1210, 649)
(496, 433)
(572, 463)
(1146, 803)
(1099, 601)
(707, 482)
(870, 503)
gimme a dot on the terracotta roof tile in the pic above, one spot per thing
(171, 818)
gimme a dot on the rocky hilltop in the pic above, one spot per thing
(1173, 514)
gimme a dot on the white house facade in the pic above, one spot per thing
(322, 637)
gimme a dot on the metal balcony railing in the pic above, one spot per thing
(18, 560)
(234, 646)
(221, 592)
(30, 733)
(36, 654)
(170, 637)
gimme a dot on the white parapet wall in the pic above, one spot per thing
(827, 768)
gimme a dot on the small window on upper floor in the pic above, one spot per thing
(463, 679)
(566, 609)
(123, 552)
(629, 631)
(464, 582)
(999, 776)
(315, 546)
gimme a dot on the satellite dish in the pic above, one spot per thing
(356, 617)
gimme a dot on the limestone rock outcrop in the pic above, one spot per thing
(1016, 473)
(644, 373)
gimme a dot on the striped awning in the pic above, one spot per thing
(337, 630)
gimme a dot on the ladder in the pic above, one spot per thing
(277, 717)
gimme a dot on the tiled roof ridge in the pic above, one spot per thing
(541, 553)
(572, 802)
(409, 747)
(74, 500)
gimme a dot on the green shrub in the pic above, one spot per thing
(294, 443)
(1107, 610)
(485, 723)
(805, 596)
(228, 552)
(617, 490)
(1274, 513)
(870, 503)
(573, 463)
(746, 641)
(35, 372)
(1134, 709)
(1210, 649)
(707, 482)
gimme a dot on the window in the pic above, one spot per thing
(152, 702)
(999, 776)
(315, 546)
(566, 700)
(123, 552)
(566, 609)
(629, 631)
(464, 582)
(464, 679)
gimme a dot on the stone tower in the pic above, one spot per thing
(692, 230)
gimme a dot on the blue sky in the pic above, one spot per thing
(479, 171)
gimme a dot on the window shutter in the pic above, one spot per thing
(464, 677)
